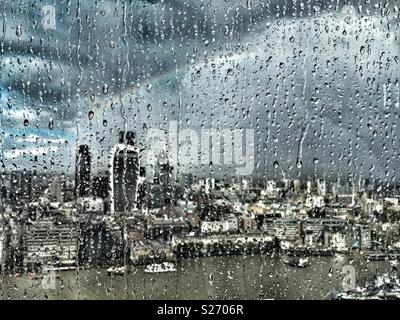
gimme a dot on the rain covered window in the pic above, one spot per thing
(170, 149)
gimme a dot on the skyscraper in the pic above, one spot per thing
(321, 187)
(100, 187)
(21, 185)
(83, 162)
(296, 186)
(125, 174)
(128, 138)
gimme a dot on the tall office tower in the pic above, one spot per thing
(35, 179)
(321, 187)
(296, 186)
(125, 174)
(142, 189)
(100, 187)
(82, 173)
(3, 193)
(21, 185)
(309, 187)
(161, 190)
(56, 188)
(167, 182)
(69, 189)
(166, 174)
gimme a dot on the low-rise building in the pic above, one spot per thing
(164, 228)
(212, 227)
(48, 242)
(313, 201)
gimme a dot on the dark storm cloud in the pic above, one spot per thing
(98, 41)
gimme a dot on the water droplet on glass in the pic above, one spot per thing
(18, 31)
(105, 89)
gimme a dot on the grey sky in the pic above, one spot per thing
(319, 79)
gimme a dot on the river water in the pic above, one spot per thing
(233, 277)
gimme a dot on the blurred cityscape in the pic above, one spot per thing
(124, 218)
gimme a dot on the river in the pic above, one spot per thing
(229, 277)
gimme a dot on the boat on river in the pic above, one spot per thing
(296, 262)
(160, 267)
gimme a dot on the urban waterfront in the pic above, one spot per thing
(233, 277)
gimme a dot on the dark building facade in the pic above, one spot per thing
(100, 187)
(161, 191)
(82, 180)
